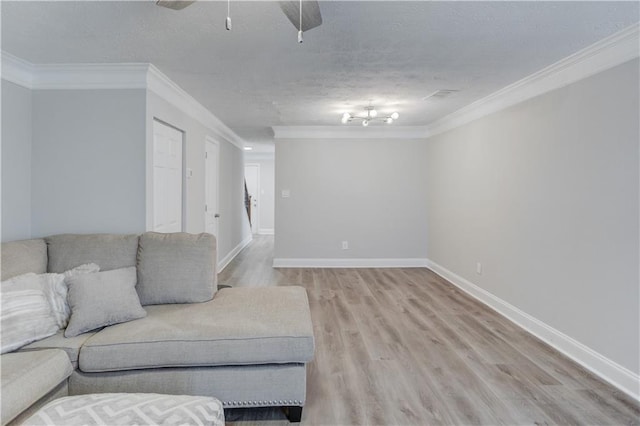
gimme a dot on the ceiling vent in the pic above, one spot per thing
(440, 94)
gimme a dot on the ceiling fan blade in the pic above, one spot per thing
(175, 4)
(311, 16)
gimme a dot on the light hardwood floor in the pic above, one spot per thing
(405, 347)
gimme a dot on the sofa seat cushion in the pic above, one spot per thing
(71, 345)
(239, 326)
(28, 376)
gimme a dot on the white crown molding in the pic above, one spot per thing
(17, 71)
(73, 76)
(600, 56)
(349, 263)
(607, 53)
(604, 54)
(609, 370)
(112, 76)
(349, 132)
(164, 87)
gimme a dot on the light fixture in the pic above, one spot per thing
(300, 38)
(371, 115)
(248, 148)
(227, 22)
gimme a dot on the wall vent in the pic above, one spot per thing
(441, 94)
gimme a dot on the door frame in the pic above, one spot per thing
(149, 175)
(255, 225)
(210, 140)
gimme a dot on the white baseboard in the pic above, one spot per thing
(233, 253)
(266, 231)
(609, 370)
(349, 263)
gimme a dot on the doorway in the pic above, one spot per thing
(168, 143)
(252, 180)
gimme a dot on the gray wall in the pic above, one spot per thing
(88, 161)
(16, 162)
(233, 226)
(371, 193)
(545, 195)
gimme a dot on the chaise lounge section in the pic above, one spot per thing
(247, 347)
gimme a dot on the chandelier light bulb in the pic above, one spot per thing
(365, 123)
(373, 113)
(388, 120)
(346, 117)
(395, 115)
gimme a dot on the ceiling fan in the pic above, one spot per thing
(303, 16)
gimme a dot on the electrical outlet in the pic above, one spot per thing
(479, 268)
(345, 245)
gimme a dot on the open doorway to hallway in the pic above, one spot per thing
(260, 184)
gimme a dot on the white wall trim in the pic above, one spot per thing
(233, 253)
(73, 76)
(266, 231)
(600, 56)
(604, 54)
(113, 76)
(164, 87)
(609, 370)
(349, 132)
(17, 71)
(349, 263)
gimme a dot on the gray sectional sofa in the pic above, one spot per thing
(248, 347)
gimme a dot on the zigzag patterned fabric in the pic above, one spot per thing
(130, 409)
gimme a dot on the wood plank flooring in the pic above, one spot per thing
(405, 347)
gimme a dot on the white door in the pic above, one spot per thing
(167, 178)
(211, 187)
(252, 178)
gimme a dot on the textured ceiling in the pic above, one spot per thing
(390, 53)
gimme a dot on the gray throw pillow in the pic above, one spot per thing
(102, 299)
(176, 268)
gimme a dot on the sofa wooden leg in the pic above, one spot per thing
(294, 413)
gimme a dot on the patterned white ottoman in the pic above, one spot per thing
(130, 409)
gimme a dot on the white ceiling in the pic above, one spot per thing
(390, 53)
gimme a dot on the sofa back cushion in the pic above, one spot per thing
(22, 257)
(176, 268)
(108, 251)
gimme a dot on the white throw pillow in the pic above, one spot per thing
(25, 316)
(54, 286)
